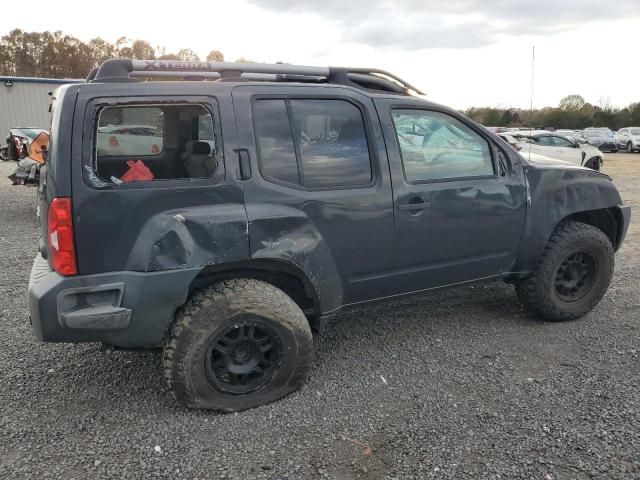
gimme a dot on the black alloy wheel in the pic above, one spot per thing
(575, 276)
(244, 357)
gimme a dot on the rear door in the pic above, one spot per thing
(137, 203)
(459, 204)
(318, 195)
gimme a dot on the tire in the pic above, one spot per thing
(594, 163)
(572, 248)
(4, 154)
(215, 357)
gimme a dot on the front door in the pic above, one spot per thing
(566, 151)
(459, 203)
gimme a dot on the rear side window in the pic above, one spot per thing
(312, 143)
(167, 141)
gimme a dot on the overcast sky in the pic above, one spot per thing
(460, 52)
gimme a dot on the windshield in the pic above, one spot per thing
(599, 133)
(634, 131)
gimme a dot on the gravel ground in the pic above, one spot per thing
(462, 384)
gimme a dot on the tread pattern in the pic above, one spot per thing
(226, 298)
(533, 292)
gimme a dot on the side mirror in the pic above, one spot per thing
(576, 145)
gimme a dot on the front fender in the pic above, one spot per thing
(554, 193)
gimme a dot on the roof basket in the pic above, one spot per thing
(127, 70)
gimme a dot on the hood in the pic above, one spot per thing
(543, 160)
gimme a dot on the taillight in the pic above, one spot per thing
(60, 231)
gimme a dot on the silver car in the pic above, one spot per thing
(628, 138)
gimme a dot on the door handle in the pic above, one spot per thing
(414, 206)
(244, 163)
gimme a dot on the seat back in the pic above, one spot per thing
(198, 160)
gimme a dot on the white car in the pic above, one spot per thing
(558, 147)
(125, 140)
(531, 156)
(628, 138)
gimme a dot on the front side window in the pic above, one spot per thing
(168, 141)
(562, 142)
(312, 143)
(545, 141)
(436, 146)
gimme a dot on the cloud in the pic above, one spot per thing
(421, 24)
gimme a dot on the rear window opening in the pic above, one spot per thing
(156, 142)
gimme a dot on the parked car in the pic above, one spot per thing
(573, 135)
(600, 138)
(532, 157)
(118, 140)
(552, 145)
(326, 189)
(498, 129)
(628, 138)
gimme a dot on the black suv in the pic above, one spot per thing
(225, 218)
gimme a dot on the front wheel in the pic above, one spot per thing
(238, 344)
(573, 274)
(594, 164)
(4, 154)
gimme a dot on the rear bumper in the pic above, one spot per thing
(127, 309)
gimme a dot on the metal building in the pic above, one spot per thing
(24, 102)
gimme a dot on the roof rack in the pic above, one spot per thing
(127, 70)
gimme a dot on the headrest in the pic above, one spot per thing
(201, 148)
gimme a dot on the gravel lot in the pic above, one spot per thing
(461, 384)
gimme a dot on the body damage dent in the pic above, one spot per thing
(555, 193)
(193, 237)
(283, 233)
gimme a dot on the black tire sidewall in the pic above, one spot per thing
(592, 245)
(212, 312)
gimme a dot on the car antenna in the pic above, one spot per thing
(533, 59)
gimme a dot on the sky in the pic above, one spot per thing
(461, 53)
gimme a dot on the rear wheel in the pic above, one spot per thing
(237, 345)
(4, 154)
(573, 274)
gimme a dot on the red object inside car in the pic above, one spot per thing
(137, 172)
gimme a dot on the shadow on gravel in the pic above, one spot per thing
(86, 379)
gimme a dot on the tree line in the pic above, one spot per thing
(573, 113)
(56, 55)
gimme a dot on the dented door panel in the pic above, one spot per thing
(334, 236)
